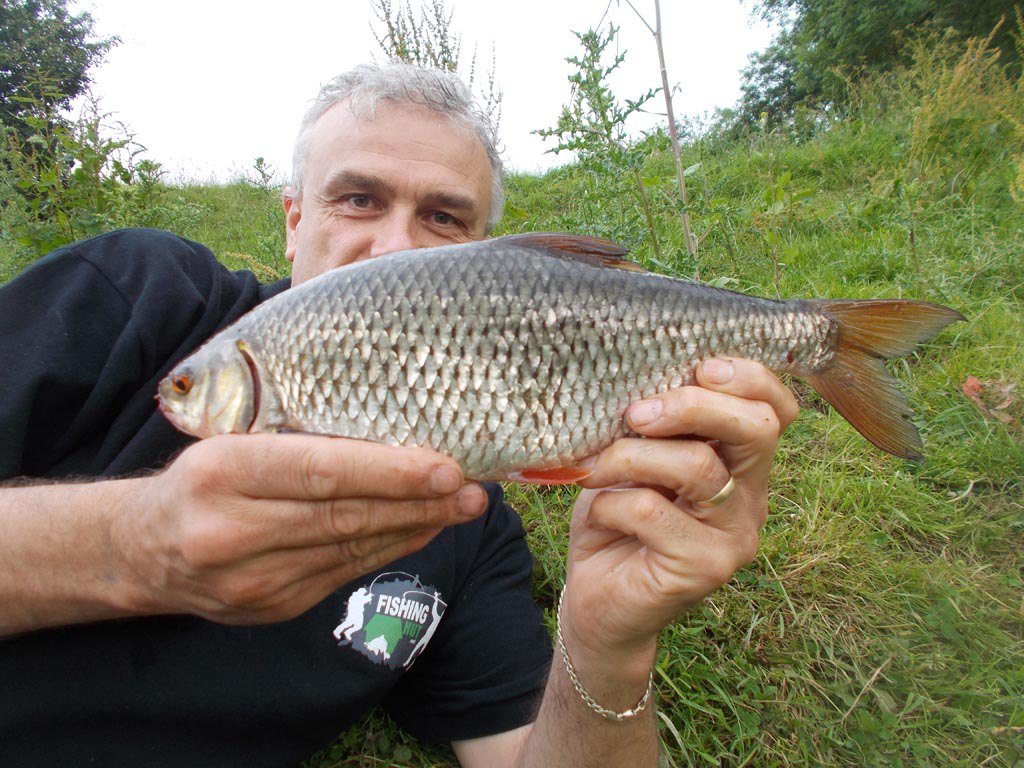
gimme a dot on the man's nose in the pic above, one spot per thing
(398, 233)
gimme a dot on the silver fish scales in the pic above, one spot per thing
(515, 356)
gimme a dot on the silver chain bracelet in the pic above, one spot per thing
(589, 700)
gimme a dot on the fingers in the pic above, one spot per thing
(742, 401)
(740, 414)
(693, 550)
(750, 381)
(257, 507)
(714, 415)
(317, 467)
(747, 428)
(690, 468)
(282, 584)
(226, 535)
(349, 560)
(299, 524)
(324, 583)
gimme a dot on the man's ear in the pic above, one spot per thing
(292, 214)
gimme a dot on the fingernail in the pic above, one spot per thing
(644, 412)
(472, 499)
(588, 464)
(717, 371)
(445, 480)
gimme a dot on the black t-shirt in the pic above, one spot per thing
(447, 640)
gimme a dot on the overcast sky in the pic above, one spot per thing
(209, 85)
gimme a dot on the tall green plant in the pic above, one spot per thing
(428, 39)
(593, 125)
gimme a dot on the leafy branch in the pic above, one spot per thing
(593, 124)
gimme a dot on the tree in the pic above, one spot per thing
(823, 42)
(46, 53)
(62, 177)
(769, 85)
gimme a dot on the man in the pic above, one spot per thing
(187, 616)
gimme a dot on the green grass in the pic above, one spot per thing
(882, 623)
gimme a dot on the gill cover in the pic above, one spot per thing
(213, 392)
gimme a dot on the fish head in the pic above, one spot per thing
(213, 392)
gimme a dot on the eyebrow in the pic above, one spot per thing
(448, 200)
(346, 180)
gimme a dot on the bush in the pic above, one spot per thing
(71, 179)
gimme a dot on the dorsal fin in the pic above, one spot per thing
(590, 250)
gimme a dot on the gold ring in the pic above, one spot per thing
(719, 497)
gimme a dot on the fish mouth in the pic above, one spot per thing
(162, 406)
(161, 401)
(170, 414)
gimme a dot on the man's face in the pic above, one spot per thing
(405, 179)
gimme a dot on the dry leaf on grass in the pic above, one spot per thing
(995, 399)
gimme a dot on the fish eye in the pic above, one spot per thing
(181, 383)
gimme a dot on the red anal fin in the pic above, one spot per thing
(590, 250)
(556, 476)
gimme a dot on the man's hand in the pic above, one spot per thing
(642, 554)
(259, 528)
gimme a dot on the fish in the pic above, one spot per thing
(518, 356)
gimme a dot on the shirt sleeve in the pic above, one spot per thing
(84, 335)
(486, 669)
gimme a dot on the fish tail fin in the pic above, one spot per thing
(856, 381)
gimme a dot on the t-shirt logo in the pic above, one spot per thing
(392, 620)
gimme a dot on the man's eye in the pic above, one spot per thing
(360, 201)
(444, 219)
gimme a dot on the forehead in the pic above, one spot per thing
(409, 141)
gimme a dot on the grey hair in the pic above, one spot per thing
(366, 86)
